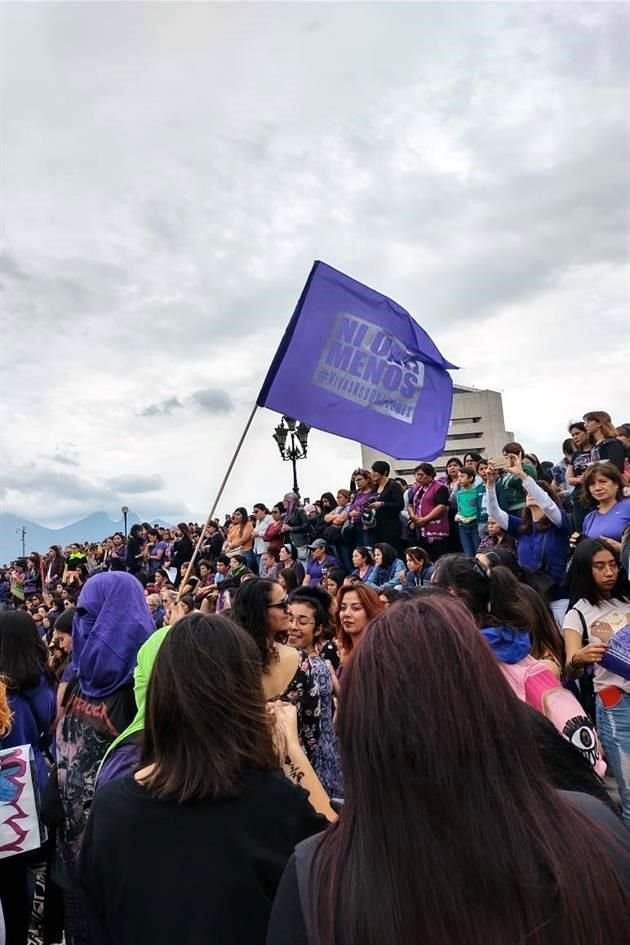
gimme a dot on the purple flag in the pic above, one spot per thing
(354, 363)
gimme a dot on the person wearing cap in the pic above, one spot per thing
(319, 562)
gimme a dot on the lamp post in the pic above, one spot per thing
(292, 440)
(21, 533)
(125, 512)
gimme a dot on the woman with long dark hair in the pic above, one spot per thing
(419, 568)
(580, 461)
(491, 864)
(31, 702)
(389, 566)
(182, 548)
(30, 685)
(503, 612)
(597, 635)
(261, 608)
(210, 788)
(32, 575)
(55, 564)
(135, 546)
(240, 538)
(288, 557)
(606, 446)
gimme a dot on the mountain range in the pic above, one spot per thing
(93, 527)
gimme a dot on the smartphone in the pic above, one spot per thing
(502, 462)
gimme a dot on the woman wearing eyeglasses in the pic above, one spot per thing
(596, 632)
(261, 607)
(364, 491)
(310, 620)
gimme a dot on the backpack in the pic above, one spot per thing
(536, 685)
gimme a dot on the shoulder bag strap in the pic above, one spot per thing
(584, 627)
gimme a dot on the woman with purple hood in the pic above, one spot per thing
(111, 623)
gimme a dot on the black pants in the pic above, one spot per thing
(16, 896)
(435, 549)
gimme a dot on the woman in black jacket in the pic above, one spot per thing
(197, 839)
(387, 504)
(182, 550)
(135, 543)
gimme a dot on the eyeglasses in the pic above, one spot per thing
(301, 621)
(605, 566)
(281, 605)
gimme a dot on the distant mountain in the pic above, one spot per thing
(39, 538)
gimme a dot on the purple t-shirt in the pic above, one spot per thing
(315, 569)
(610, 525)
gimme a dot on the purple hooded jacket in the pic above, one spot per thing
(33, 713)
(111, 623)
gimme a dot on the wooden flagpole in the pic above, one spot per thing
(217, 499)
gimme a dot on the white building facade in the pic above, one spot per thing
(477, 424)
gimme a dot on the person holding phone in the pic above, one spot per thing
(542, 533)
(511, 495)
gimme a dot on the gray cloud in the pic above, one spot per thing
(162, 408)
(64, 460)
(136, 484)
(213, 400)
(479, 177)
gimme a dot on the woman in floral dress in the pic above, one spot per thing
(261, 607)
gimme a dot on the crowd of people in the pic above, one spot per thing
(398, 713)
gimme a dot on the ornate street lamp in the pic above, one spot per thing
(125, 512)
(292, 440)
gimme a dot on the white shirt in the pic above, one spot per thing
(603, 621)
(260, 528)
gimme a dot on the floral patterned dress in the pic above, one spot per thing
(326, 760)
(303, 693)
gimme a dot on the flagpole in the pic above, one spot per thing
(218, 498)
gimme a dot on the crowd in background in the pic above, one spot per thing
(229, 700)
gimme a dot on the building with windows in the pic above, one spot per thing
(477, 424)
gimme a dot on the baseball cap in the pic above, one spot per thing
(319, 543)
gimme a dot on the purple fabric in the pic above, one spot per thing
(610, 525)
(123, 761)
(111, 624)
(354, 363)
(33, 712)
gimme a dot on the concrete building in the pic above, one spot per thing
(477, 423)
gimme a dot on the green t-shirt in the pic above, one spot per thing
(468, 502)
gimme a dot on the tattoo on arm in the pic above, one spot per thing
(295, 773)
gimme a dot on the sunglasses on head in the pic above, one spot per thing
(281, 604)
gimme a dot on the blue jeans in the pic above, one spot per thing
(469, 537)
(613, 726)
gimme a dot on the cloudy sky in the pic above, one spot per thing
(170, 171)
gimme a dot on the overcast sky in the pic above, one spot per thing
(170, 172)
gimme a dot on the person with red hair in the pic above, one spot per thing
(356, 605)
